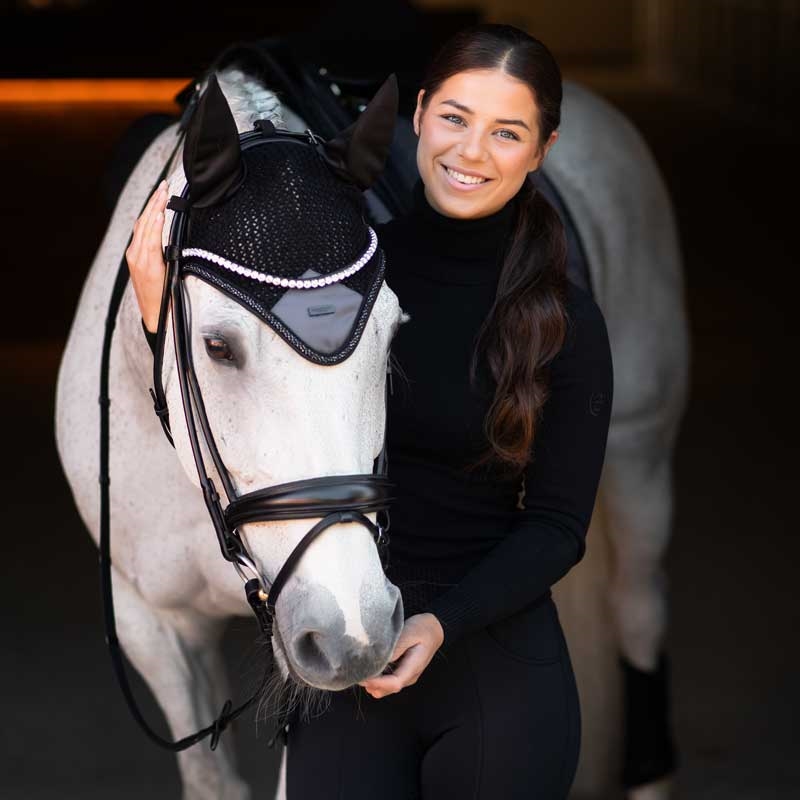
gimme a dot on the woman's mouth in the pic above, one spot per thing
(461, 181)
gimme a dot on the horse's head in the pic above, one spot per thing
(292, 379)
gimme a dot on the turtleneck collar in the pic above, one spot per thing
(467, 250)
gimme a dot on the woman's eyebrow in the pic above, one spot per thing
(466, 110)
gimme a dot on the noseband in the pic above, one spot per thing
(335, 499)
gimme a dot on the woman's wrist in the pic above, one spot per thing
(435, 625)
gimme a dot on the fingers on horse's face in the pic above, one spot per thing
(154, 234)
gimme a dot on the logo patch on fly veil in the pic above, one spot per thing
(317, 311)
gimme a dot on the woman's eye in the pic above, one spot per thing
(218, 349)
(458, 120)
(452, 117)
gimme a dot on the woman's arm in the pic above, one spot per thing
(548, 538)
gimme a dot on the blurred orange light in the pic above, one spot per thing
(90, 90)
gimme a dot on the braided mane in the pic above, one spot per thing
(249, 99)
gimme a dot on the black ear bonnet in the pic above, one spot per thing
(277, 221)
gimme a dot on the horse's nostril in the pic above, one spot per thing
(309, 653)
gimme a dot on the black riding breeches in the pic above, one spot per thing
(495, 715)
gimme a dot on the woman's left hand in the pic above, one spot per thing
(421, 637)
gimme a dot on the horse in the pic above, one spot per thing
(277, 418)
(608, 189)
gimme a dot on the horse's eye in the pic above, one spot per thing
(218, 349)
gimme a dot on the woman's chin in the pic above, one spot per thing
(461, 207)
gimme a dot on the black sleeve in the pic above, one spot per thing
(151, 339)
(549, 536)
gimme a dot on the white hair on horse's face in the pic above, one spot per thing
(277, 417)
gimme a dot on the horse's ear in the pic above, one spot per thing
(212, 158)
(359, 152)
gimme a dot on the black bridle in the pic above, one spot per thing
(335, 499)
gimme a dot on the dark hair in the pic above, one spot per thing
(526, 325)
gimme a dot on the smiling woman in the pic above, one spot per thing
(503, 355)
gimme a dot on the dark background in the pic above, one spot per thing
(710, 85)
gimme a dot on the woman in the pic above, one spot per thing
(509, 388)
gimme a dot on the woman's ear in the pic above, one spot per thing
(537, 159)
(550, 142)
(418, 111)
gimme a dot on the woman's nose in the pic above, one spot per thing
(472, 148)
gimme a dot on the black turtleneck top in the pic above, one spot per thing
(460, 545)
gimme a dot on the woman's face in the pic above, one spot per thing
(479, 124)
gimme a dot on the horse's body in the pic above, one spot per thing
(173, 590)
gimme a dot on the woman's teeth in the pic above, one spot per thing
(461, 178)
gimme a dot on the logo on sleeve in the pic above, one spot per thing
(597, 401)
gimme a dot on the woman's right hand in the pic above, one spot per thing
(146, 259)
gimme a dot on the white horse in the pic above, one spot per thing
(279, 418)
(173, 589)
